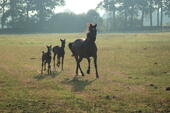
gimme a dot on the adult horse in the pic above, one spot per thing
(85, 48)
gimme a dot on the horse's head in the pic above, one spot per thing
(92, 32)
(63, 42)
(92, 29)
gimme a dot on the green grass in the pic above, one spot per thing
(134, 72)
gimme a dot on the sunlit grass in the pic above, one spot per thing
(134, 71)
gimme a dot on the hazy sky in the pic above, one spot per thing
(78, 6)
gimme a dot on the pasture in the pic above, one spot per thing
(134, 72)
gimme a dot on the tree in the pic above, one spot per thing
(3, 5)
(167, 7)
(143, 7)
(157, 6)
(110, 6)
(151, 9)
(92, 16)
(45, 9)
(27, 14)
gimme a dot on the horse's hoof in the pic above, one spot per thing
(76, 75)
(97, 76)
(88, 71)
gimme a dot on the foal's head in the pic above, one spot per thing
(63, 42)
(49, 48)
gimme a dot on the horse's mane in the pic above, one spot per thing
(89, 34)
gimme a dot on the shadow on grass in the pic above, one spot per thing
(78, 85)
(43, 76)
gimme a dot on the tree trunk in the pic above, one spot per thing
(114, 19)
(41, 15)
(12, 10)
(158, 16)
(132, 15)
(142, 17)
(3, 11)
(150, 13)
(125, 18)
(161, 24)
(27, 11)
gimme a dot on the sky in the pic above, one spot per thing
(78, 6)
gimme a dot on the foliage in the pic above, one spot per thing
(39, 16)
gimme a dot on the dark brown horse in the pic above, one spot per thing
(85, 49)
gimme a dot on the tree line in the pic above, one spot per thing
(27, 15)
(39, 16)
(130, 14)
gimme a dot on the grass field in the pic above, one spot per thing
(134, 72)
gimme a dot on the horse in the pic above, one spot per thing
(85, 48)
(46, 58)
(59, 51)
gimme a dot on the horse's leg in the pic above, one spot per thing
(50, 65)
(54, 61)
(95, 64)
(76, 58)
(79, 60)
(62, 62)
(88, 70)
(42, 67)
(58, 60)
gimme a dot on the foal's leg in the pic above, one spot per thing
(45, 65)
(62, 62)
(79, 60)
(88, 70)
(58, 60)
(49, 68)
(54, 61)
(95, 64)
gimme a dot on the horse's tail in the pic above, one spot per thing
(70, 45)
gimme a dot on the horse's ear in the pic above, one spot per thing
(50, 45)
(95, 25)
(90, 25)
(47, 46)
(60, 39)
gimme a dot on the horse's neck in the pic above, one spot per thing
(62, 47)
(48, 52)
(90, 37)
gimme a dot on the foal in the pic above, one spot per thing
(46, 58)
(59, 51)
